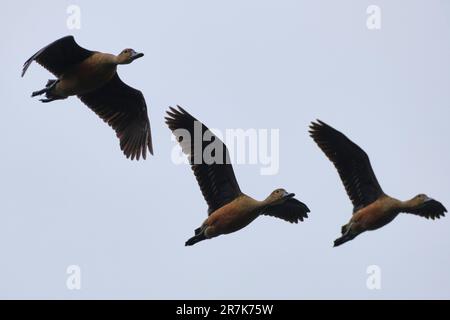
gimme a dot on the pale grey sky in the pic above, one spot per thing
(69, 197)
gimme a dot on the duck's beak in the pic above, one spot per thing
(427, 199)
(288, 195)
(136, 55)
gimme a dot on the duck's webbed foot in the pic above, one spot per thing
(48, 100)
(47, 90)
(38, 93)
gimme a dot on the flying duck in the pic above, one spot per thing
(229, 209)
(92, 76)
(373, 209)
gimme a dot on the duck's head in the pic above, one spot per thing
(421, 199)
(426, 207)
(279, 196)
(127, 56)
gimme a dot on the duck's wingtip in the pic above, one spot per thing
(315, 125)
(150, 149)
(24, 69)
(182, 109)
(307, 209)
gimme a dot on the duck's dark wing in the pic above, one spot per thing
(215, 176)
(430, 209)
(291, 210)
(351, 162)
(59, 56)
(125, 110)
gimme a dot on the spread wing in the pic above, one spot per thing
(124, 109)
(351, 162)
(429, 209)
(59, 56)
(215, 176)
(291, 210)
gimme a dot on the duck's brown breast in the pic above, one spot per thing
(233, 216)
(375, 215)
(88, 76)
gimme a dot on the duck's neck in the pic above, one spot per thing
(264, 204)
(105, 59)
(118, 60)
(253, 206)
(408, 204)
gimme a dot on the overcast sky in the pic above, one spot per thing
(69, 197)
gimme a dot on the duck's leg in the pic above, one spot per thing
(200, 229)
(38, 93)
(199, 236)
(48, 87)
(346, 235)
(195, 239)
(345, 229)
